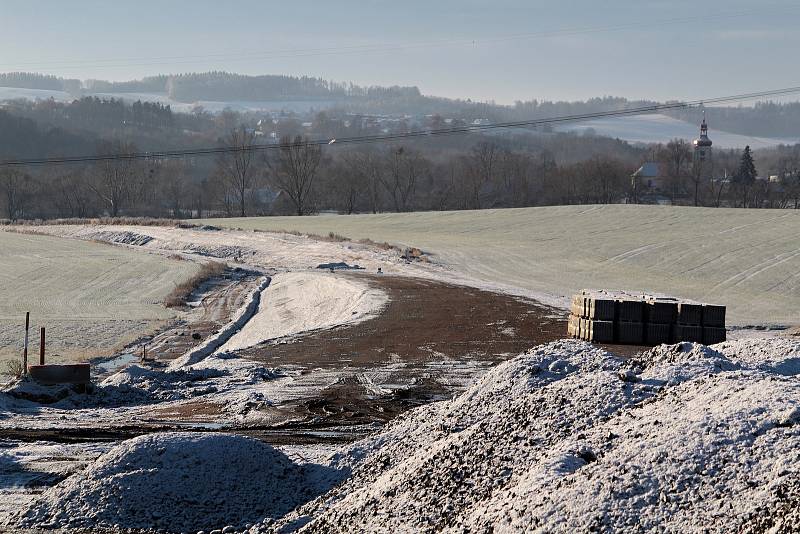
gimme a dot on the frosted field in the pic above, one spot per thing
(89, 296)
(748, 260)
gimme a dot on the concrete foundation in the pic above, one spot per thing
(51, 375)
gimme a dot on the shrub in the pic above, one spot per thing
(180, 295)
(14, 368)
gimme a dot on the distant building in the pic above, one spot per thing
(650, 182)
(703, 162)
(650, 176)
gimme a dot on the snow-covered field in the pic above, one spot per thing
(563, 438)
(748, 260)
(92, 297)
(657, 128)
(89, 296)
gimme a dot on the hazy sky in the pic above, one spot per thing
(662, 49)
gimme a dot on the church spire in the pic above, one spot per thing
(703, 140)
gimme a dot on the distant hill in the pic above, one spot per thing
(215, 91)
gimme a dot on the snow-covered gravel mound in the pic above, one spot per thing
(569, 438)
(180, 482)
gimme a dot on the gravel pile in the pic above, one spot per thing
(568, 438)
(180, 482)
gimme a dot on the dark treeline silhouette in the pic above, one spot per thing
(503, 169)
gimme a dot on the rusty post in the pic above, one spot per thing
(25, 351)
(41, 348)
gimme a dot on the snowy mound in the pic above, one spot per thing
(569, 438)
(177, 482)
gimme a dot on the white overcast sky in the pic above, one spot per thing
(660, 49)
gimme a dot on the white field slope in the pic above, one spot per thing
(89, 296)
(304, 302)
(748, 260)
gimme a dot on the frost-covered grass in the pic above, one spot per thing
(89, 296)
(746, 259)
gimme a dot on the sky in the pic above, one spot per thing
(500, 50)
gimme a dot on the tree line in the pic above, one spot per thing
(299, 177)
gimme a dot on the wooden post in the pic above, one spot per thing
(41, 348)
(25, 351)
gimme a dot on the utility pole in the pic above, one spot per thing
(25, 351)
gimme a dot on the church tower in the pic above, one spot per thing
(702, 153)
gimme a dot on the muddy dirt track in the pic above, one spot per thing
(424, 321)
(432, 340)
(428, 321)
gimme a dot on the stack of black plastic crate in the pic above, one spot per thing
(641, 319)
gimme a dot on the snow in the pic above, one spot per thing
(565, 437)
(241, 319)
(90, 297)
(299, 302)
(746, 259)
(562, 439)
(180, 482)
(658, 128)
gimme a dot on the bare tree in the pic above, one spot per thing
(349, 182)
(236, 166)
(174, 187)
(371, 167)
(481, 162)
(676, 157)
(113, 180)
(16, 188)
(295, 171)
(404, 169)
(71, 195)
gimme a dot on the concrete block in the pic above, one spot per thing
(601, 331)
(713, 315)
(631, 311)
(657, 333)
(661, 311)
(686, 332)
(713, 334)
(629, 332)
(600, 309)
(578, 306)
(585, 329)
(574, 326)
(50, 375)
(690, 313)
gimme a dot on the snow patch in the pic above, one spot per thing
(300, 302)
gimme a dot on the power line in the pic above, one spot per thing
(365, 139)
(391, 47)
